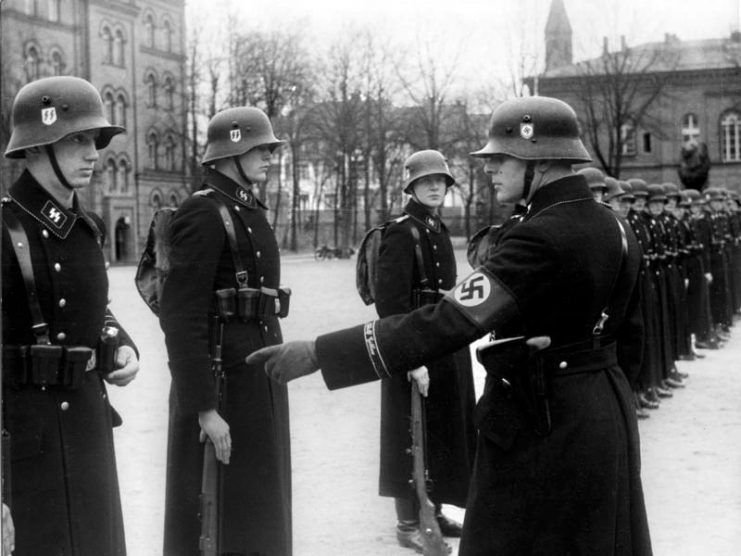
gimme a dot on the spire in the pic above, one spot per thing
(557, 37)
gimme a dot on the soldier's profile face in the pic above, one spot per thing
(430, 190)
(656, 207)
(507, 177)
(256, 163)
(639, 204)
(77, 155)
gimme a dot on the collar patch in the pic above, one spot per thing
(54, 215)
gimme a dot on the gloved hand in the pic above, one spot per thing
(422, 377)
(286, 362)
(537, 343)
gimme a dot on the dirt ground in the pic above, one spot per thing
(691, 447)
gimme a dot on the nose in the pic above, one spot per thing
(92, 153)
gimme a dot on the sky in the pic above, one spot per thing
(482, 38)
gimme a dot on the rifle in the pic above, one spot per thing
(208, 543)
(432, 538)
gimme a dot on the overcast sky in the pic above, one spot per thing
(482, 34)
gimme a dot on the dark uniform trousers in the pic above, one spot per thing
(64, 486)
(256, 485)
(577, 490)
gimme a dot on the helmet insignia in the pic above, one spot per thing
(527, 130)
(235, 135)
(48, 115)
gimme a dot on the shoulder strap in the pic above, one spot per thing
(599, 327)
(425, 282)
(240, 272)
(19, 241)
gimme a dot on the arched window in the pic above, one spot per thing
(156, 200)
(173, 200)
(169, 93)
(32, 7)
(690, 128)
(110, 173)
(54, 10)
(108, 45)
(32, 63)
(152, 148)
(151, 82)
(118, 48)
(169, 153)
(57, 64)
(120, 109)
(628, 137)
(149, 31)
(123, 175)
(167, 31)
(730, 137)
(109, 111)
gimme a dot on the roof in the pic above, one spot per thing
(679, 56)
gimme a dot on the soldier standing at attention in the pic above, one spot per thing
(64, 496)
(249, 424)
(446, 382)
(557, 472)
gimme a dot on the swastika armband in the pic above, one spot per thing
(483, 300)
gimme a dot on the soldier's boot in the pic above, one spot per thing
(672, 382)
(663, 392)
(652, 396)
(641, 413)
(645, 402)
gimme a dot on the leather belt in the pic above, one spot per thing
(570, 360)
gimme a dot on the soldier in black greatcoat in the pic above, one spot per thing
(248, 424)
(402, 286)
(64, 496)
(558, 467)
(698, 293)
(720, 294)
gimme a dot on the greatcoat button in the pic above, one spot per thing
(61, 336)
(249, 229)
(62, 302)
(258, 254)
(262, 279)
(64, 406)
(236, 207)
(563, 365)
(45, 234)
(57, 267)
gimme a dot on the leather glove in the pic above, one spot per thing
(286, 362)
(422, 377)
(537, 343)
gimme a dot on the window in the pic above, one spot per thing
(151, 83)
(152, 148)
(54, 10)
(149, 31)
(108, 42)
(123, 176)
(32, 63)
(108, 104)
(110, 172)
(32, 7)
(173, 200)
(167, 30)
(170, 153)
(156, 200)
(120, 109)
(690, 128)
(730, 136)
(628, 138)
(647, 142)
(118, 49)
(57, 64)
(169, 93)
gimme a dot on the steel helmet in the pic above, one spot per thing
(235, 131)
(640, 189)
(595, 178)
(656, 193)
(613, 188)
(671, 190)
(713, 194)
(535, 128)
(628, 196)
(47, 110)
(426, 163)
(684, 199)
(693, 196)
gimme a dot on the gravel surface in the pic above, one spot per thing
(691, 447)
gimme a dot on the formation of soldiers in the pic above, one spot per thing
(690, 278)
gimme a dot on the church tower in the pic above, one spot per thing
(557, 37)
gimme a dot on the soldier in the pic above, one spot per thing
(596, 182)
(720, 296)
(403, 285)
(557, 465)
(60, 341)
(243, 268)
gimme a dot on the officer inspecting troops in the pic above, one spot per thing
(60, 342)
(557, 467)
(222, 300)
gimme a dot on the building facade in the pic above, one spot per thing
(700, 99)
(133, 51)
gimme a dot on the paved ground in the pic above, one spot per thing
(691, 447)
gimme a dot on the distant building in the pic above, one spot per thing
(133, 51)
(700, 101)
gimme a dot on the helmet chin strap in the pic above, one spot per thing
(55, 166)
(241, 172)
(528, 179)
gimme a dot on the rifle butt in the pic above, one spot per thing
(208, 543)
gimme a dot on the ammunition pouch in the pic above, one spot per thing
(250, 304)
(46, 366)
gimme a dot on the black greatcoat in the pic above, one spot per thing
(451, 436)
(64, 496)
(256, 485)
(577, 491)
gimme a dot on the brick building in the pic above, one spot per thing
(700, 99)
(133, 51)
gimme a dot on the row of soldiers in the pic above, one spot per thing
(690, 278)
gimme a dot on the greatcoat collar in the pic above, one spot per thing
(423, 216)
(230, 188)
